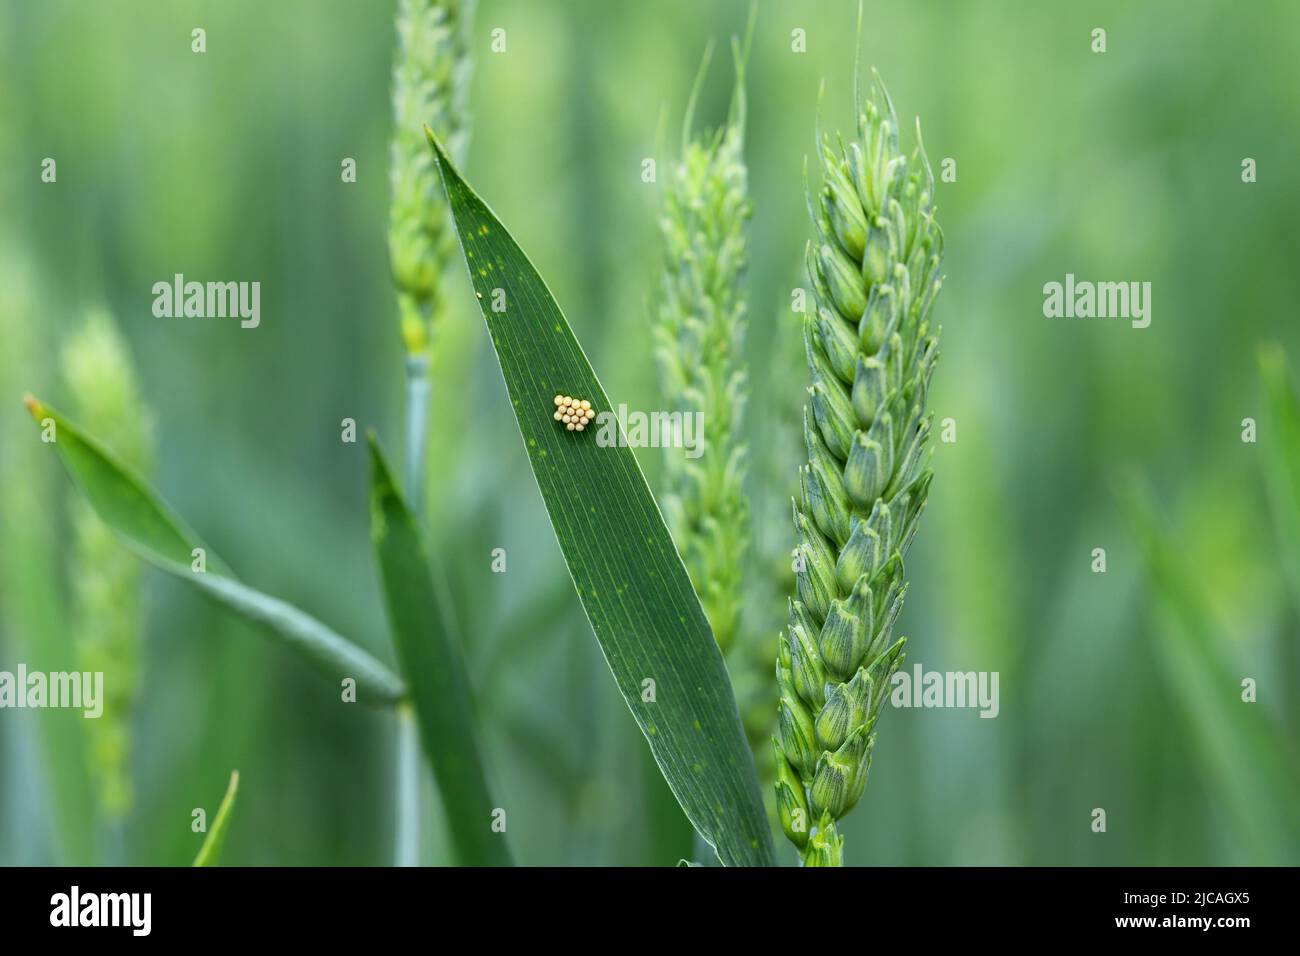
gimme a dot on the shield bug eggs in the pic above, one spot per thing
(573, 413)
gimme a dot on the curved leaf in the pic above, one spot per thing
(215, 841)
(625, 567)
(157, 534)
(435, 670)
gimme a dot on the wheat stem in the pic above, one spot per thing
(410, 765)
(410, 757)
(418, 390)
(430, 86)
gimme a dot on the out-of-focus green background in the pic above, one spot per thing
(226, 165)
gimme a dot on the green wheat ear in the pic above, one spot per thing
(874, 269)
(430, 85)
(106, 617)
(699, 338)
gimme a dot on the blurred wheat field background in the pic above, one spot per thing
(1119, 690)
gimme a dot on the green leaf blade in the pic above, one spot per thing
(210, 853)
(146, 524)
(121, 499)
(625, 567)
(331, 652)
(435, 671)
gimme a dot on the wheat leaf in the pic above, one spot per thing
(627, 572)
(435, 670)
(157, 534)
(215, 841)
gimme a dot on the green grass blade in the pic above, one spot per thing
(1241, 746)
(1280, 445)
(150, 528)
(210, 852)
(624, 565)
(435, 670)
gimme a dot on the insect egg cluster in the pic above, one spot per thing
(575, 414)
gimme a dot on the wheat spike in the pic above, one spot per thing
(874, 268)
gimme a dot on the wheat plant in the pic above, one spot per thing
(874, 269)
(699, 339)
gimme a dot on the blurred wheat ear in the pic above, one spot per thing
(699, 347)
(431, 73)
(699, 340)
(100, 379)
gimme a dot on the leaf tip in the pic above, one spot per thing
(440, 157)
(438, 151)
(34, 406)
(382, 484)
